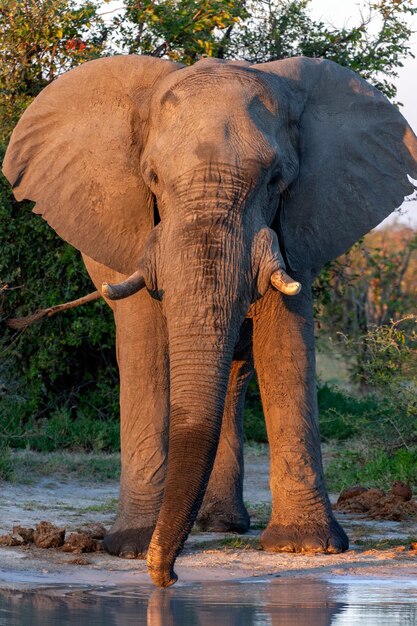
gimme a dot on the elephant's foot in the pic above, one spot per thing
(130, 543)
(221, 517)
(309, 537)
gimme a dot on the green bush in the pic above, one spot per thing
(6, 465)
(66, 365)
(88, 421)
(390, 371)
(372, 468)
(254, 428)
(343, 416)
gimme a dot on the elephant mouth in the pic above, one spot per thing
(118, 291)
(278, 278)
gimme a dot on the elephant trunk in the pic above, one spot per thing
(199, 371)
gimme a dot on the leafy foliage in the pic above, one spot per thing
(182, 30)
(390, 370)
(374, 47)
(366, 288)
(254, 427)
(55, 364)
(342, 416)
(372, 468)
(386, 431)
(38, 41)
(6, 465)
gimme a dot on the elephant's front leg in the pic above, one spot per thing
(302, 519)
(223, 509)
(142, 355)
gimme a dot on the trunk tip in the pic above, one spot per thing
(162, 573)
(163, 577)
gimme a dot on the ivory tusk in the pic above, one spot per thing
(127, 288)
(284, 283)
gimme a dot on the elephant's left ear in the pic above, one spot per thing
(76, 152)
(356, 153)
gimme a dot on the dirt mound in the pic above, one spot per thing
(26, 535)
(95, 531)
(402, 490)
(351, 492)
(19, 536)
(47, 535)
(80, 542)
(376, 504)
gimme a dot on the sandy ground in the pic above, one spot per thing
(73, 504)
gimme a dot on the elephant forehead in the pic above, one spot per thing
(214, 82)
(215, 118)
(210, 144)
(219, 114)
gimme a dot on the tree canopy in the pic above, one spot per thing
(266, 30)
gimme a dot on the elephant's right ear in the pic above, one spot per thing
(76, 153)
(356, 152)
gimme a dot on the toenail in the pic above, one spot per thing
(128, 554)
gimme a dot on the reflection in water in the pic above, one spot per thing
(288, 602)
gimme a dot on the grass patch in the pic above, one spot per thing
(33, 505)
(109, 506)
(229, 543)
(240, 543)
(372, 468)
(260, 515)
(28, 466)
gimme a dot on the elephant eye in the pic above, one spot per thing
(274, 180)
(156, 216)
(274, 188)
(153, 177)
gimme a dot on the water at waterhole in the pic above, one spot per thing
(346, 601)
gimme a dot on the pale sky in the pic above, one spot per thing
(347, 12)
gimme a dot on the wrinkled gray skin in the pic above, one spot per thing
(251, 168)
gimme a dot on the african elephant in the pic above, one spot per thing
(203, 184)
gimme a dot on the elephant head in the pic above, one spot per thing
(203, 184)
